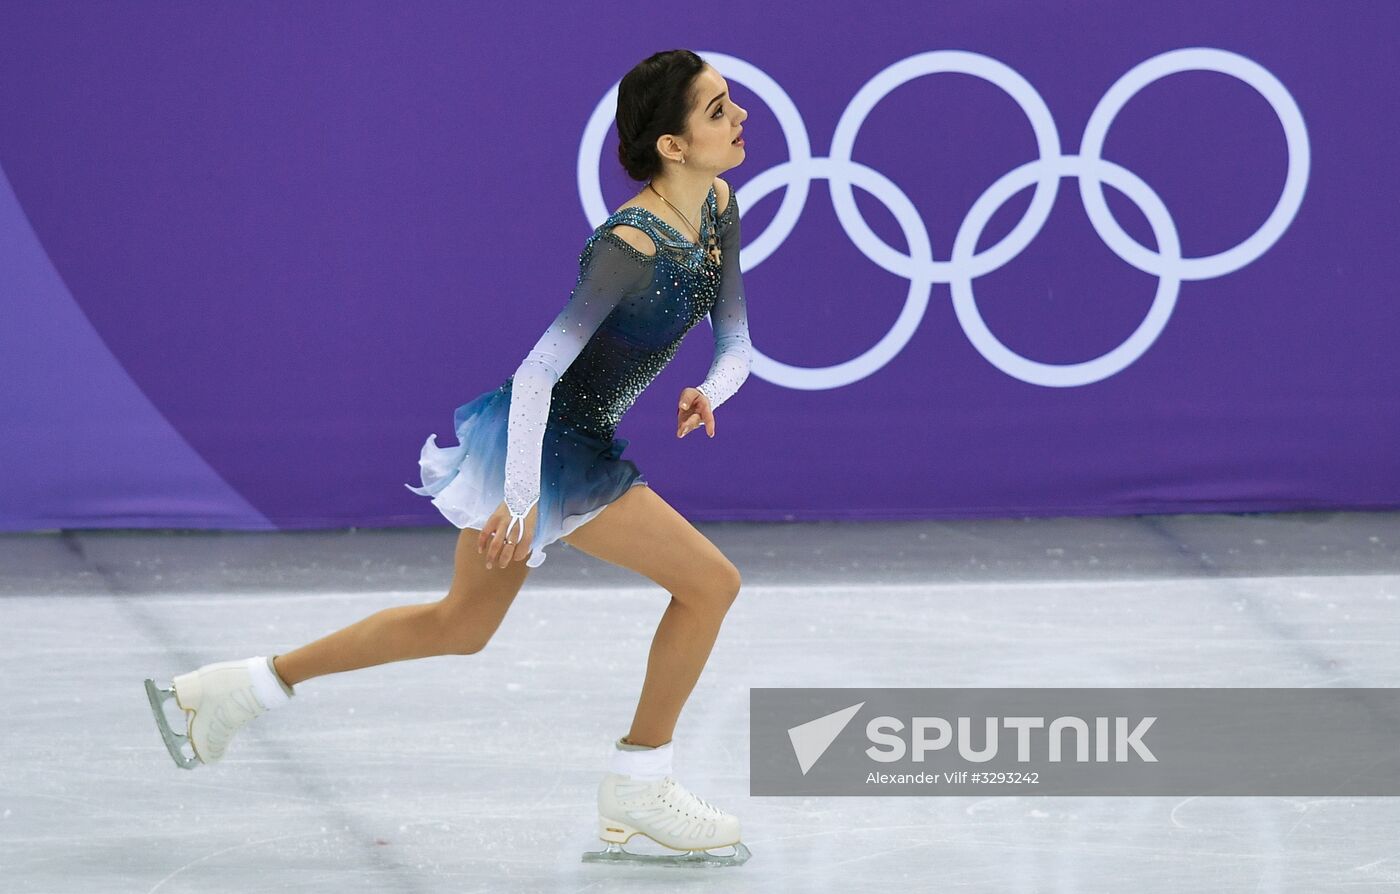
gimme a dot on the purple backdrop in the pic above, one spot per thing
(251, 256)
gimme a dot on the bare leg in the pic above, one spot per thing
(643, 532)
(459, 624)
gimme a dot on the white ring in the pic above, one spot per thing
(915, 301)
(1295, 183)
(1047, 141)
(1114, 361)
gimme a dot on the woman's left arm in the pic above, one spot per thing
(729, 317)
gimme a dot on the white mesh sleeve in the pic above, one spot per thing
(610, 272)
(729, 318)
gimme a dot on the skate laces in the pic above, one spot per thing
(693, 799)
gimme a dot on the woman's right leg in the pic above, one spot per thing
(459, 624)
(642, 532)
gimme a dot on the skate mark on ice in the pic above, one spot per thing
(1172, 816)
(236, 847)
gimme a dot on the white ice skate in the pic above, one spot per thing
(664, 811)
(219, 699)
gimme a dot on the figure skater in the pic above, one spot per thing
(537, 461)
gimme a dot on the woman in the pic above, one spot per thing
(537, 461)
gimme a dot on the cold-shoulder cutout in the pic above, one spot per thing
(636, 238)
(721, 195)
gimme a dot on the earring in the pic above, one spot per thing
(682, 159)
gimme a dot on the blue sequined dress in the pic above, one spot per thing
(547, 434)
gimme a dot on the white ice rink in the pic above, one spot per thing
(478, 773)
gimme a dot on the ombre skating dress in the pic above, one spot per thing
(547, 434)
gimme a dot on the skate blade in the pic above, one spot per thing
(615, 853)
(174, 742)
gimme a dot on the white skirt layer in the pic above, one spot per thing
(579, 478)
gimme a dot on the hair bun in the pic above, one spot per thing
(654, 98)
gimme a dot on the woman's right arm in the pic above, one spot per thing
(611, 271)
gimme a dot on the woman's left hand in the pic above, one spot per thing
(694, 411)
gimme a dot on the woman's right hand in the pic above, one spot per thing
(492, 540)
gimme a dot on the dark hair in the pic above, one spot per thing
(654, 98)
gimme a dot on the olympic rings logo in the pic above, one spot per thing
(965, 263)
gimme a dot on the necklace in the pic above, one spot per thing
(675, 209)
(712, 249)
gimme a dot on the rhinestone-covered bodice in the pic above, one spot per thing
(622, 324)
(642, 334)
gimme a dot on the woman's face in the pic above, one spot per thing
(714, 124)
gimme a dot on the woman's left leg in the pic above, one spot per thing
(642, 532)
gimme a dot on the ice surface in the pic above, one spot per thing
(478, 773)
